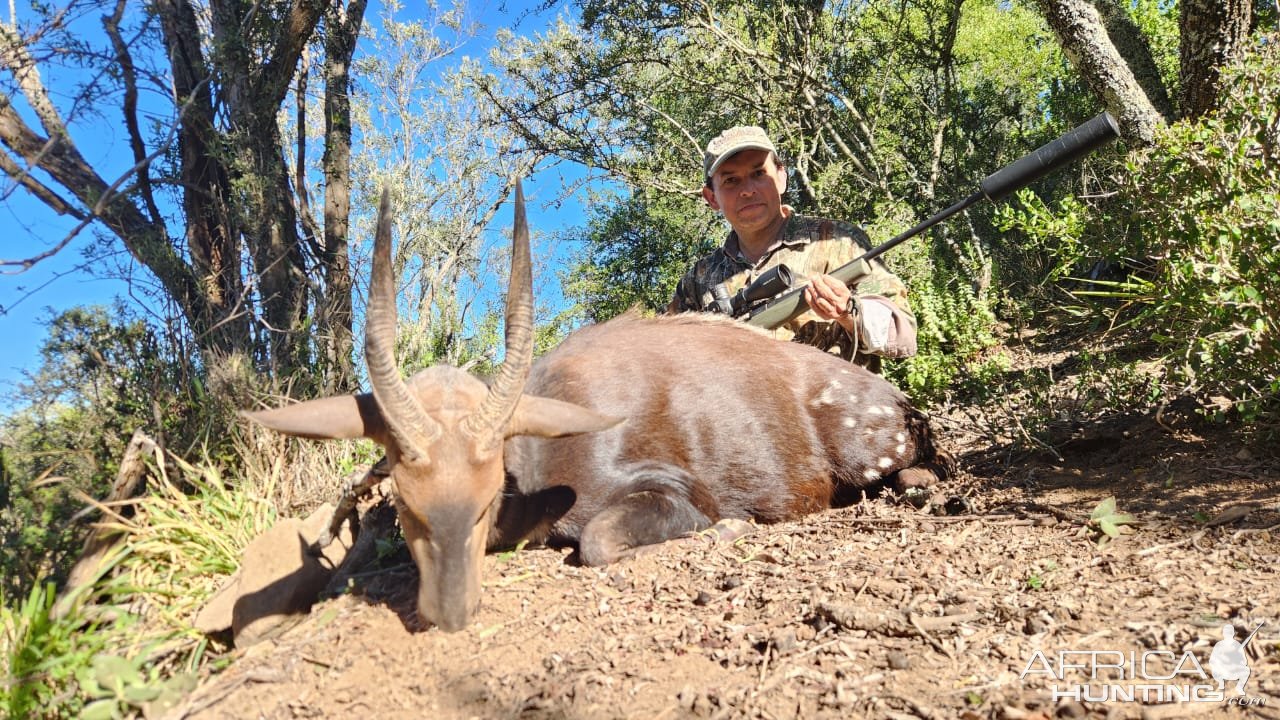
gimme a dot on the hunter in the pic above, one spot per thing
(745, 181)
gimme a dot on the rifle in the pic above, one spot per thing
(1255, 632)
(1045, 159)
(775, 280)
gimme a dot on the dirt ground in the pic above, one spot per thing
(878, 610)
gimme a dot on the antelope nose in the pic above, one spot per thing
(452, 618)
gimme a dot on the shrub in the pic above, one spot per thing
(103, 374)
(125, 644)
(1193, 229)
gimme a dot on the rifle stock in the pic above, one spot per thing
(1045, 159)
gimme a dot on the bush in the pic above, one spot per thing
(1206, 201)
(954, 309)
(103, 374)
(1193, 228)
(124, 642)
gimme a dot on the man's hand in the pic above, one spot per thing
(829, 299)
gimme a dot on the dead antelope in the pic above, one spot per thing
(631, 432)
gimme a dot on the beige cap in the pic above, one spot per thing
(733, 141)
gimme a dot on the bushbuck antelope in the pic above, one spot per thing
(631, 432)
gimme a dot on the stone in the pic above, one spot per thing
(278, 581)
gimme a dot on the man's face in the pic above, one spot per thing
(748, 189)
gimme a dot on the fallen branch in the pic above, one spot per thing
(128, 484)
(1160, 548)
(356, 485)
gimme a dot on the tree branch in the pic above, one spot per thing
(1083, 38)
(130, 110)
(23, 178)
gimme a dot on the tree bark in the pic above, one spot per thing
(130, 482)
(212, 234)
(258, 52)
(1084, 39)
(343, 29)
(1212, 32)
(1136, 51)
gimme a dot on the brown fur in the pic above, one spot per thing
(720, 418)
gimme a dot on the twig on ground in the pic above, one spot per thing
(1254, 531)
(919, 709)
(1184, 541)
(893, 622)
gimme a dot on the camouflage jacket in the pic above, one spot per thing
(808, 246)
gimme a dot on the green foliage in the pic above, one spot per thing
(104, 373)
(1105, 521)
(119, 688)
(185, 539)
(635, 250)
(1054, 245)
(1194, 229)
(955, 317)
(1158, 20)
(1206, 202)
(956, 327)
(48, 644)
(40, 653)
(1042, 573)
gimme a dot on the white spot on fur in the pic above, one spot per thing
(870, 474)
(873, 410)
(885, 410)
(853, 399)
(885, 463)
(901, 450)
(828, 396)
(850, 422)
(900, 437)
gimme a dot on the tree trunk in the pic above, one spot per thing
(258, 53)
(1212, 32)
(271, 232)
(343, 29)
(213, 239)
(1136, 51)
(1084, 39)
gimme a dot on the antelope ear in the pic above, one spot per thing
(332, 418)
(545, 417)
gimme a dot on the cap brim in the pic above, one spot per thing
(749, 146)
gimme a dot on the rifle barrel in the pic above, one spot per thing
(1255, 632)
(888, 245)
(1045, 159)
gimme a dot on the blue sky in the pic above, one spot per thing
(27, 227)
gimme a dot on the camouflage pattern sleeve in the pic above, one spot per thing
(886, 325)
(881, 281)
(683, 300)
